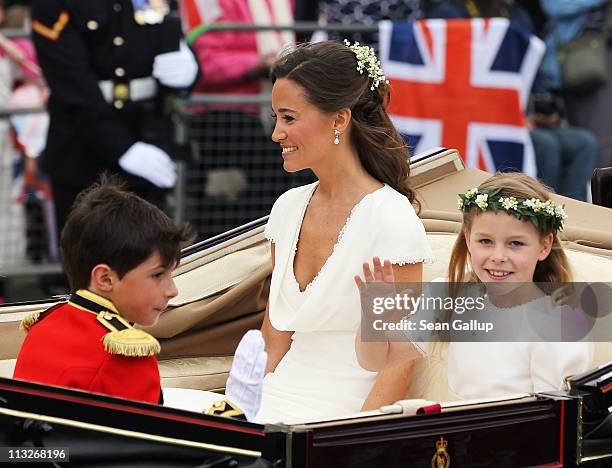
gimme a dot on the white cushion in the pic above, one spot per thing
(7, 366)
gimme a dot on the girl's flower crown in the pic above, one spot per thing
(546, 216)
(367, 60)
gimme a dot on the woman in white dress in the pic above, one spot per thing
(330, 101)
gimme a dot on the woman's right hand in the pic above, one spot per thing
(377, 349)
(377, 285)
(383, 273)
(371, 346)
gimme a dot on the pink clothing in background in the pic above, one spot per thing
(225, 57)
(28, 49)
(17, 49)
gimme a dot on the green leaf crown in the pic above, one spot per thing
(367, 60)
(547, 216)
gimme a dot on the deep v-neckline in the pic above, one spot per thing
(334, 248)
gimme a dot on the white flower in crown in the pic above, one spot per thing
(560, 212)
(509, 203)
(535, 204)
(530, 203)
(549, 207)
(481, 201)
(367, 60)
(471, 192)
(538, 206)
(459, 203)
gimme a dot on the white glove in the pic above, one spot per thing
(245, 380)
(176, 69)
(151, 163)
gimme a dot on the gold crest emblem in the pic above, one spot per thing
(441, 459)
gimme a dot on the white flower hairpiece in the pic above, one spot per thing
(367, 60)
(546, 216)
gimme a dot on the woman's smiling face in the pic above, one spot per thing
(305, 133)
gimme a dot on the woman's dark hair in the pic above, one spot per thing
(327, 71)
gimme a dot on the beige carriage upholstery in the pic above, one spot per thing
(11, 335)
(223, 289)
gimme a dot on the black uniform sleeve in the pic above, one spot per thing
(67, 66)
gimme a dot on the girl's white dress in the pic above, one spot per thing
(319, 377)
(491, 369)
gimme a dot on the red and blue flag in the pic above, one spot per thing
(463, 84)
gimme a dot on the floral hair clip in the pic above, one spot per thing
(546, 216)
(367, 60)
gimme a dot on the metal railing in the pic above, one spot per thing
(229, 179)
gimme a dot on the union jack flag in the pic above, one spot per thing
(463, 84)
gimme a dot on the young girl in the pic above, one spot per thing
(508, 241)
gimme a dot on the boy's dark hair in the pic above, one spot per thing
(109, 225)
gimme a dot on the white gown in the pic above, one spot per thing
(491, 369)
(319, 377)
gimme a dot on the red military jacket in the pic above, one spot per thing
(66, 348)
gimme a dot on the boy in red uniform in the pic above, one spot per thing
(118, 252)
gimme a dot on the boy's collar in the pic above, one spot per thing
(91, 302)
(122, 338)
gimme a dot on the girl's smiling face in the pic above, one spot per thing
(304, 132)
(504, 249)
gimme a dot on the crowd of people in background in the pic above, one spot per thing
(569, 140)
(571, 129)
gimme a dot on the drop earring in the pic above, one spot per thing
(336, 136)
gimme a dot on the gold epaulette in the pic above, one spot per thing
(29, 320)
(125, 340)
(26, 323)
(226, 409)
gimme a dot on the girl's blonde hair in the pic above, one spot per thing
(554, 269)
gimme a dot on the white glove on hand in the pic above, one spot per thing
(246, 376)
(176, 69)
(151, 163)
